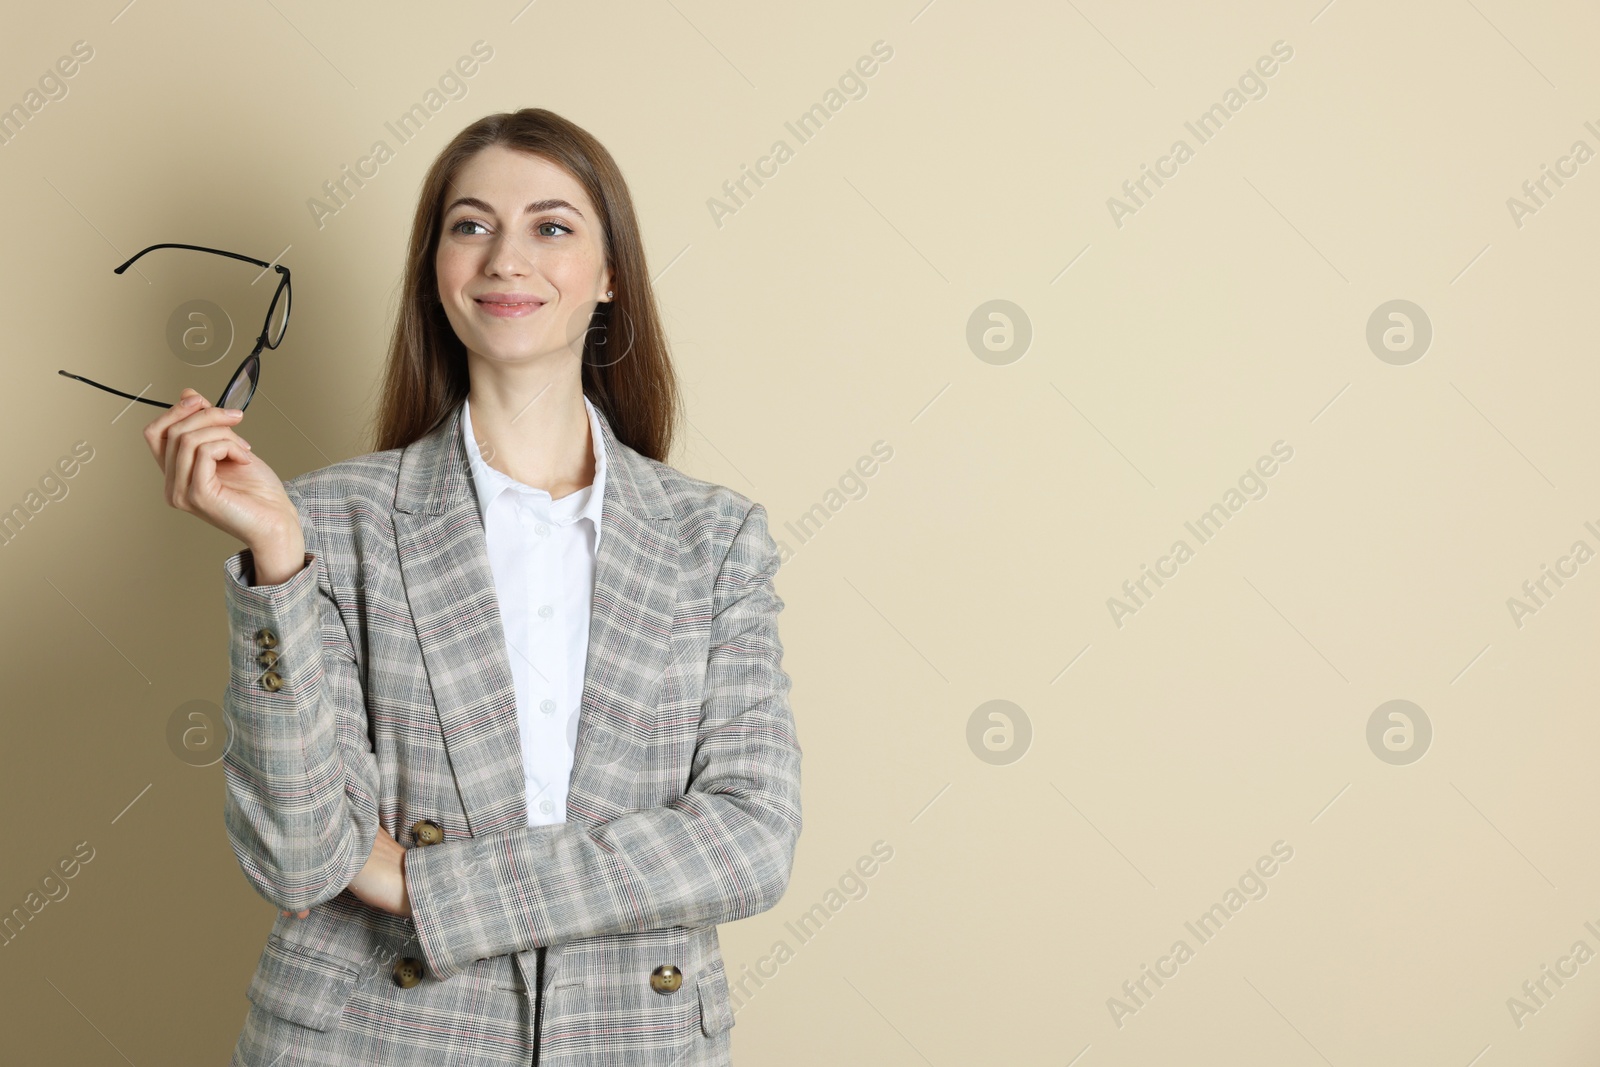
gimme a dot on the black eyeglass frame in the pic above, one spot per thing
(251, 365)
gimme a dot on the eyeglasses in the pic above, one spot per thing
(242, 386)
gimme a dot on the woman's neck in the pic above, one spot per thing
(535, 433)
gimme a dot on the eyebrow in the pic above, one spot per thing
(532, 209)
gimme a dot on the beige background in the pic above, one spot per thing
(829, 313)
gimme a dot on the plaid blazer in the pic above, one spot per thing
(373, 689)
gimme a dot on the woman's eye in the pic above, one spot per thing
(540, 228)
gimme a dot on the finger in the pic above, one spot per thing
(192, 447)
(204, 416)
(199, 413)
(203, 483)
(155, 433)
(182, 438)
(187, 441)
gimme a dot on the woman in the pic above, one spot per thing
(510, 730)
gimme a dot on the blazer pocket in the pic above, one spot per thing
(716, 1012)
(301, 984)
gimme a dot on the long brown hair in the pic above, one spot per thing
(627, 368)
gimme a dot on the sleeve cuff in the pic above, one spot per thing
(425, 888)
(289, 610)
(454, 891)
(241, 570)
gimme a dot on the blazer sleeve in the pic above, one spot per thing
(301, 778)
(719, 852)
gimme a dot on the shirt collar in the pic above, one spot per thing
(490, 483)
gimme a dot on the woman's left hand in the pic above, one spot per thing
(381, 882)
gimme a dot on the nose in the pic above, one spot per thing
(507, 257)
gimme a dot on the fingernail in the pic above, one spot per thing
(233, 413)
(191, 401)
(246, 444)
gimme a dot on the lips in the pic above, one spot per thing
(508, 307)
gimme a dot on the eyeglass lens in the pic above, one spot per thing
(278, 317)
(243, 385)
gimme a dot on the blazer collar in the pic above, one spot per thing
(491, 484)
(443, 560)
(434, 473)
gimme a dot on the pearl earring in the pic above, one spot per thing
(608, 294)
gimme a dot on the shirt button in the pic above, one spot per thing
(547, 706)
(545, 611)
(542, 530)
(546, 806)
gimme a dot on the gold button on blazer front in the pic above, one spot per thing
(666, 979)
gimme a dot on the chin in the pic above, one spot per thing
(504, 353)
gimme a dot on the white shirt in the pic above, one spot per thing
(542, 553)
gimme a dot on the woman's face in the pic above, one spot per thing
(521, 263)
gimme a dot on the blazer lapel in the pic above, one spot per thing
(444, 565)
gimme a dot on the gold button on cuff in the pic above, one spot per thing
(407, 972)
(272, 681)
(266, 638)
(267, 658)
(427, 832)
(666, 979)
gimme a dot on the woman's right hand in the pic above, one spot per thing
(211, 472)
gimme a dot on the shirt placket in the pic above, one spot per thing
(546, 797)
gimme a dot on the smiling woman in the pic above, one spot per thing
(511, 731)
(507, 312)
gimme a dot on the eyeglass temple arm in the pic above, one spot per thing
(201, 248)
(119, 392)
(196, 248)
